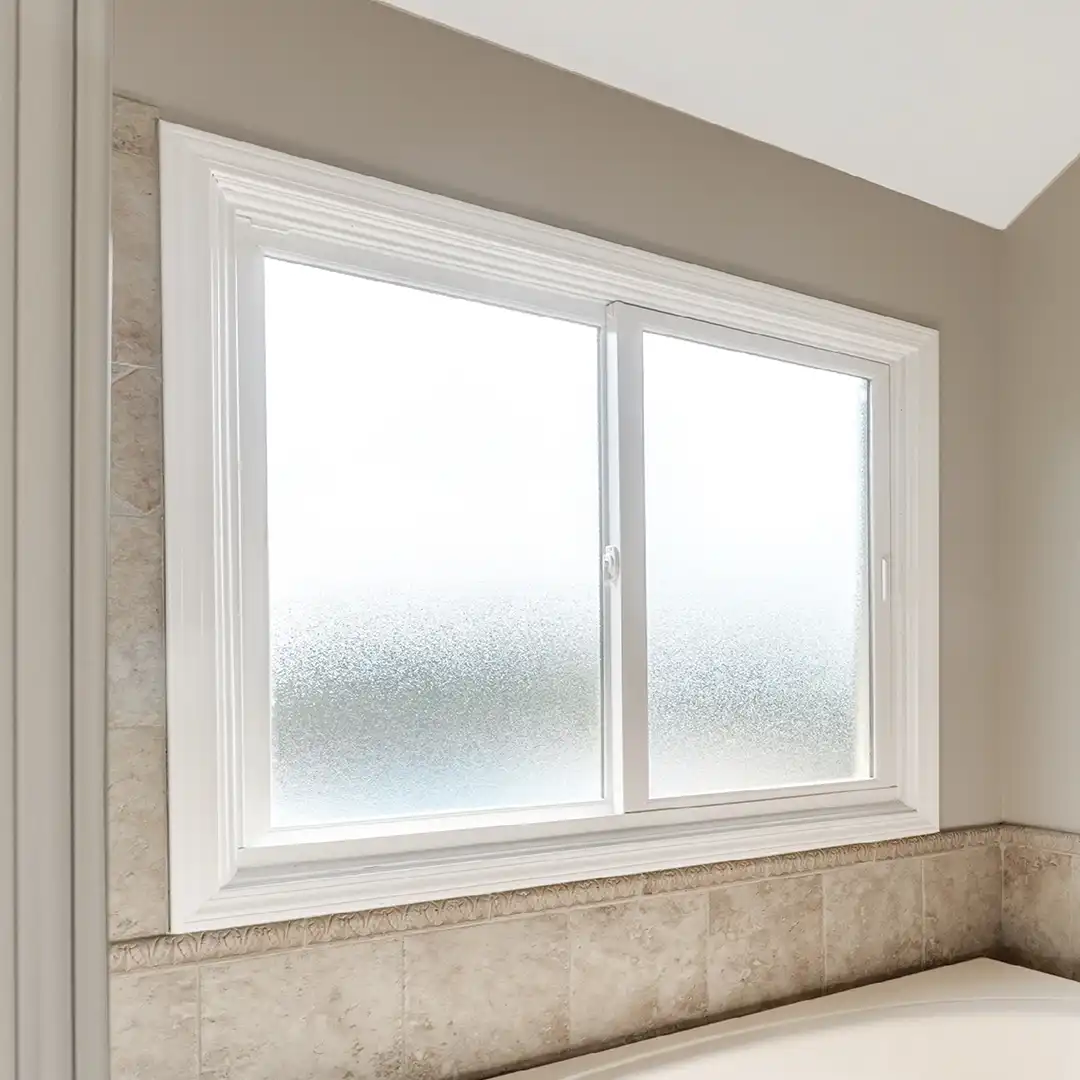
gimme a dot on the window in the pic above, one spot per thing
(499, 555)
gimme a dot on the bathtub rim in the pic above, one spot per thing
(969, 988)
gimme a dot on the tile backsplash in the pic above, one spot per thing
(478, 985)
(1040, 893)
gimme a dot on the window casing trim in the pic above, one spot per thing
(222, 201)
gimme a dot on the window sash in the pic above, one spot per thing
(626, 607)
(253, 246)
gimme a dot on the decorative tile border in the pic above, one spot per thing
(938, 843)
(168, 950)
(1064, 843)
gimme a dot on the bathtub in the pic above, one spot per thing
(981, 1019)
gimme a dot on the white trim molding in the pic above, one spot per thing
(55, 99)
(226, 204)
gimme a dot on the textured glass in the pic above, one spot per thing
(756, 501)
(433, 538)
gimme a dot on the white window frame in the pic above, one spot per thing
(224, 205)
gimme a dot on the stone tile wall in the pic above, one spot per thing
(495, 992)
(1040, 897)
(479, 985)
(136, 659)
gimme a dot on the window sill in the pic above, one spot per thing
(264, 889)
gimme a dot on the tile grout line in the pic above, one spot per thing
(569, 980)
(1069, 901)
(922, 915)
(403, 1063)
(155, 512)
(571, 1041)
(1001, 880)
(198, 1021)
(824, 933)
(137, 515)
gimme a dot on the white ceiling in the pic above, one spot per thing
(972, 105)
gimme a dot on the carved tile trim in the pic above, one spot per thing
(1064, 843)
(938, 843)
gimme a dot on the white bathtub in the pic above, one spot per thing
(981, 1019)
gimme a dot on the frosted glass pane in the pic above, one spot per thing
(756, 501)
(433, 537)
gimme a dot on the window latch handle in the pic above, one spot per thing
(611, 564)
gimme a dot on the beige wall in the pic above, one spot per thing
(1040, 510)
(371, 89)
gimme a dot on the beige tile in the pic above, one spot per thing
(134, 127)
(136, 441)
(636, 967)
(487, 997)
(155, 1029)
(135, 630)
(327, 1013)
(873, 921)
(1035, 909)
(136, 260)
(135, 189)
(765, 943)
(962, 891)
(137, 833)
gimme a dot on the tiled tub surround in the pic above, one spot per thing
(1041, 899)
(477, 985)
